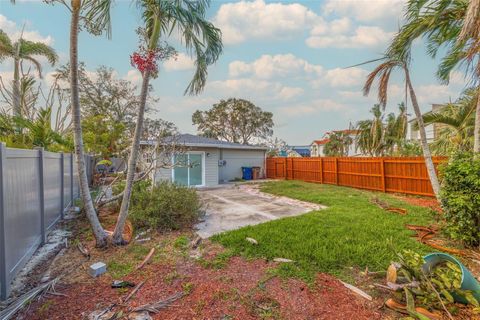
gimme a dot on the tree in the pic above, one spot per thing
(19, 51)
(97, 229)
(234, 120)
(457, 122)
(383, 71)
(276, 146)
(384, 134)
(104, 137)
(158, 128)
(338, 144)
(199, 36)
(445, 24)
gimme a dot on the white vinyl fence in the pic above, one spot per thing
(36, 187)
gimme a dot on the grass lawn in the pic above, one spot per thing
(352, 232)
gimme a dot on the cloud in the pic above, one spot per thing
(268, 67)
(134, 76)
(253, 88)
(362, 36)
(340, 77)
(247, 20)
(179, 63)
(287, 93)
(365, 10)
(314, 107)
(14, 32)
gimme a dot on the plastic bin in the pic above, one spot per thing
(468, 280)
(256, 173)
(247, 173)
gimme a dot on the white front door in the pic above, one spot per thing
(189, 169)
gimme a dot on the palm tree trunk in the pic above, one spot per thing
(476, 133)
(132, 164)
(98, 232)
(17, 110)
(423, 139)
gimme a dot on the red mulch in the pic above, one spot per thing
(426, 202)
(235, 290)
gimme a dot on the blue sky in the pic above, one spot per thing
(287, 57)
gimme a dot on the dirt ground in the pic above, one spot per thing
(215, 285)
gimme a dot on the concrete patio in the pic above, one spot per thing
(231, 207)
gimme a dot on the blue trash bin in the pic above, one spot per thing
(247, 173)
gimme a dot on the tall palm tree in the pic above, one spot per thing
(23, 50)
(450, 24)
(201, 38)
(99, 233)
(388, 64)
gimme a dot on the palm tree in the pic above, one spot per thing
(457, 120)
(383, 71)
(370, 137)
(338, 144)
(450, 24)
(200, 37)
(377, 137)
(99, 233)
(19, 51)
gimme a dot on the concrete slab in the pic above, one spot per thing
(232, 207)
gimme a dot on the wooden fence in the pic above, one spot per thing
(387, 174)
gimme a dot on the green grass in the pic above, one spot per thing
(351, 232)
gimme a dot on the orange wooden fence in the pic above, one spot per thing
(387, 174)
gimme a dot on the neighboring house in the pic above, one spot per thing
(210, 161)
(302, 151)
(432, 130)
(316, 147)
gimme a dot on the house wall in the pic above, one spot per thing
(211, 167)
(236, 159)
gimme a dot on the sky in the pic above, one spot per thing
(287, 57)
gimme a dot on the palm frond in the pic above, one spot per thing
(96, 14)
(29, 48)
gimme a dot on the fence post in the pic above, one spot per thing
(62, 185)
(336, 171)
(321, 170)
(41, 178)
(382, 171)
(71, 179)
(4, 282)
(285, 168)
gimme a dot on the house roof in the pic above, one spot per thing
(347, 131)
(321, 142)
(190, 140)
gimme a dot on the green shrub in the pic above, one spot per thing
(166, 206)
(461, 198)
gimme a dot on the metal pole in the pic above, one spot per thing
(62, 185)
(42, 194)
(71, 179)
(4, 282)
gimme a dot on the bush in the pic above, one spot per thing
(461, 198)
(166, 206)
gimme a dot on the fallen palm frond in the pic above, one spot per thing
(20, 302)
(385, 206)
(147, 258)
(426, 234)
(135, 290)
(155, 307)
